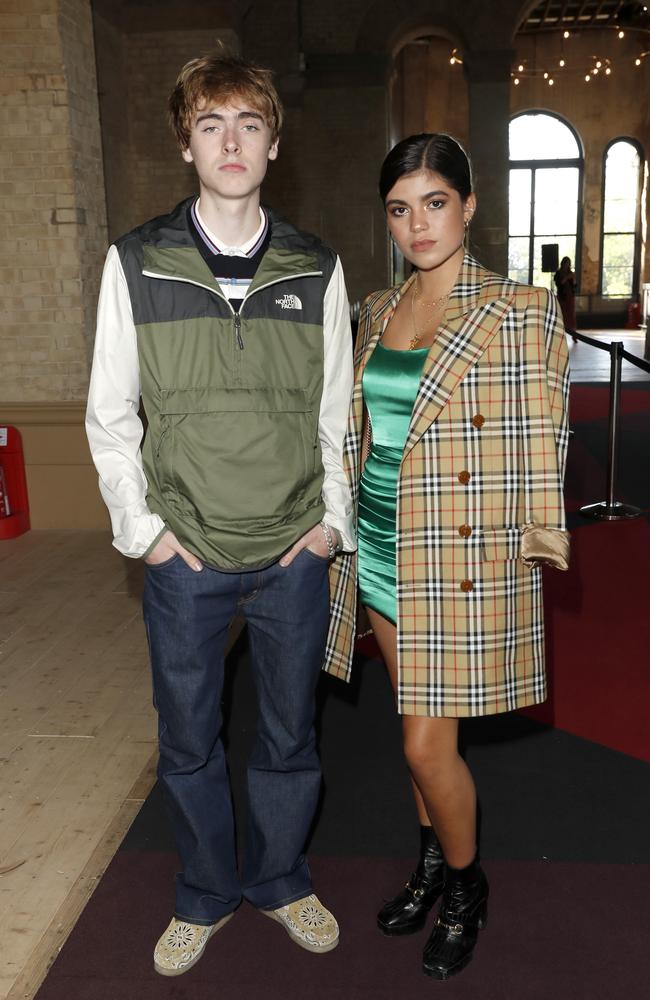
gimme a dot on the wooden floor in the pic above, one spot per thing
(590, 364)
(77, 735)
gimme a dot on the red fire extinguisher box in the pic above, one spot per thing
(14, 505)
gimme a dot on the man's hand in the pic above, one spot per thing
(314, 540)
(165, 548)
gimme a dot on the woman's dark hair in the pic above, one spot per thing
(433, 151)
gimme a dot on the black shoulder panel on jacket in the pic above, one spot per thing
(284, 234)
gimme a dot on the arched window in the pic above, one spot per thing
(545, 185)
(620, 244)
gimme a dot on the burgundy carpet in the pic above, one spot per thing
(597, 621)
(554, 931)
(598, 634)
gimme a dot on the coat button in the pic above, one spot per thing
(466, 586)
(478, 420)
(464, 531)
(464, 477)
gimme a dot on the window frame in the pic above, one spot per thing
(532, 165)
(636, 262)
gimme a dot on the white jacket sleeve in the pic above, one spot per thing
(335, 405)
(112, 424)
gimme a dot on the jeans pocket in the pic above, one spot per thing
(314, 555)
(164, 564)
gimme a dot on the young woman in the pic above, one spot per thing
(456, 446)
(565, 283)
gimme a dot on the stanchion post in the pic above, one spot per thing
(611, 509)
(616, 361)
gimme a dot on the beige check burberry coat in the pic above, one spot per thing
(483, 462)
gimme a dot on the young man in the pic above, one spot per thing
(233, 328)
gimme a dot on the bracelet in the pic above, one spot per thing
(332, 547)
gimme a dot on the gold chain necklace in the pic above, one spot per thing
(417, 336)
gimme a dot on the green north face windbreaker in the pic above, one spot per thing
(232, 453)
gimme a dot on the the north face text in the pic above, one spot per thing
(289, 302)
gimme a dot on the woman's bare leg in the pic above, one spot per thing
(443, 786)
(386, 636)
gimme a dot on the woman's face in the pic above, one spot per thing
(426, 218)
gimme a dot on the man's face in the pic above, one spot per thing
(230, 146)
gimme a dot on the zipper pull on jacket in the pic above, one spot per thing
(237, 322)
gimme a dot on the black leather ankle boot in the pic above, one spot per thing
(463, 912)
(407, 912)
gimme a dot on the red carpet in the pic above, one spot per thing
(598, 636)
(597, 624)
(591, 402)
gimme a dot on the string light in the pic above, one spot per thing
(599, 64)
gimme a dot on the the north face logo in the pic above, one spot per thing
(289, 302)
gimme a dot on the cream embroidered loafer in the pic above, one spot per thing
(182, 944)
(308, 923)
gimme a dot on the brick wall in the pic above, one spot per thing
(85, 147)
(51, 198)
(112, 77)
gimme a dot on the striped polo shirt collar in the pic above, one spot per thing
(212, 242)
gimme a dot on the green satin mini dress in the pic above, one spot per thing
(390, 385)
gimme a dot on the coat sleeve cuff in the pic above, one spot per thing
(544, 545)
(155, 541)
(344, 527)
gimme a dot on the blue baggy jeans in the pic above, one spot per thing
(187, 615)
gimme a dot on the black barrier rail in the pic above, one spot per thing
(612, 509)
(639, 362)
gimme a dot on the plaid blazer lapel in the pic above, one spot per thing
(473, 319)
(381, 311)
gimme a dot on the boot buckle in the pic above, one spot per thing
(454, 928)
(417, 893)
